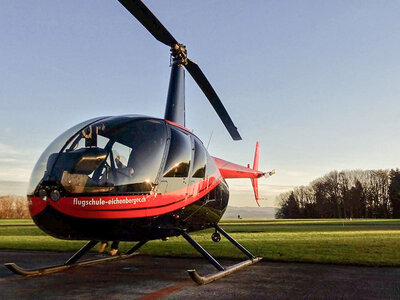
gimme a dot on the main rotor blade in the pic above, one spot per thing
(154, 26)
(148, 20)
(212, 96)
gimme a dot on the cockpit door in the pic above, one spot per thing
(198, 168)
(191, 181)
(177, 165)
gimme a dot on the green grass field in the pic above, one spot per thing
(359, 242)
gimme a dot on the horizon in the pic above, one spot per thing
(18, 188)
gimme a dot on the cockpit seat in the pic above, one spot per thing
(88, 160)
(81, 161)
(74, 168)
(78, 165)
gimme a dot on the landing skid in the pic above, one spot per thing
(59, 268)
(72, 262)
(222, 272)
(200, 280)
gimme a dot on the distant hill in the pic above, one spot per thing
(250, 212)
(13, 188)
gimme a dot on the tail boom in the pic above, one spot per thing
(232, 170)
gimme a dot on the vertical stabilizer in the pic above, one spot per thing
(255, 164)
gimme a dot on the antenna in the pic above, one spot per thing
(212, 131)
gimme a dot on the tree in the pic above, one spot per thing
(354, 194)
(394, 193)
(13, 207)
(323, 204)
(293, 207)
(356, 201)
(283, 211)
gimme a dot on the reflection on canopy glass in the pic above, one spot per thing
(115, 156)
(44, 164)
(178, 160)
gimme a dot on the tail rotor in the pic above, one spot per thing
(254, 181)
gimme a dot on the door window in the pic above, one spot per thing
(178, 161)
(200, 160)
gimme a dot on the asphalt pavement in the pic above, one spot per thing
(146, 277)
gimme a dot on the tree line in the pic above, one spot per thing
(345, 194)
(13, 207)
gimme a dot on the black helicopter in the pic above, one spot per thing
(137, 178)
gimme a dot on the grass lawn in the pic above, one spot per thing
(360, 242)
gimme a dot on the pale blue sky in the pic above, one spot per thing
(316, 82)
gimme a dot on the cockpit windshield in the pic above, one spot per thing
(40, 171)
(114, 155)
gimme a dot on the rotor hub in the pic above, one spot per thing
(179, 53)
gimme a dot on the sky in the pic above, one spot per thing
(315, 82)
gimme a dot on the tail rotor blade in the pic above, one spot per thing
(148, 20)
(212, 96)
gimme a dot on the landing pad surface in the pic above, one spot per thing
(145, 277)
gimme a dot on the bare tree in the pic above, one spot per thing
(13, 207)
(350, 193)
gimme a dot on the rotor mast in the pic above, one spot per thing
(175, 106)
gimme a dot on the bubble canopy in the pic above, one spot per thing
(111, 155)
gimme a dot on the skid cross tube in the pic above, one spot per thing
(234, 242)
(81, 252)
(202, 251)
(222, 272)
(136, 247)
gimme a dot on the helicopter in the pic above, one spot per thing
(138, 178)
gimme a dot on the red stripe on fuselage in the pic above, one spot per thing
(180, 126)
(131, 206)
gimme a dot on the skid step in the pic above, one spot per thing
(232, 269)
(63, 267)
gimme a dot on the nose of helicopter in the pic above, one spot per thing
(36, 205)
(46, 192)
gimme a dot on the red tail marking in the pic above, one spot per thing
(254, 183)
(255, 164)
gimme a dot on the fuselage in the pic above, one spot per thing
(126, 178)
